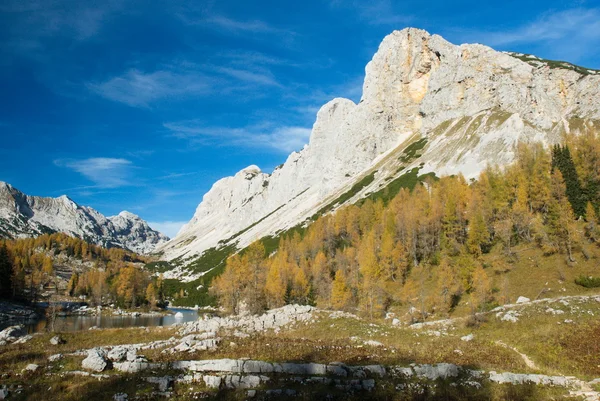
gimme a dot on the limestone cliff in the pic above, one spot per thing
(471, 103)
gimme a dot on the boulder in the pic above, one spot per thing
(55, 357)
(11, 334)
(32, 367)
(56, 340)
(96, 360)
(3, 392)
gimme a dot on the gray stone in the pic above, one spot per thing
(523, 300)
(32, 367)
(56, 340)
(55, 357)
(368, 384)
(3, 392)
(163, 382)
(131, 355)
(212, 381)
(95, 360)
(468, 337)
(439, 371)
(120, 397)
(117, 354)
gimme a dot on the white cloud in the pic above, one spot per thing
(281, 138)
(137, 88)
(169, 228)
(105, 172)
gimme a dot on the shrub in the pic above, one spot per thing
(588, 281)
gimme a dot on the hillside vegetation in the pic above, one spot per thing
(59, 267)
(448, 246)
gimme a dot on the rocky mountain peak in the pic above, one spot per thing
(468, 104)
(25, 216)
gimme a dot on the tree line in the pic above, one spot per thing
(373, 255)
(28, 269)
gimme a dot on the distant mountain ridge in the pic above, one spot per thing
(465, 106)
(24, 216)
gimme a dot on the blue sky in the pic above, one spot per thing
(142, 105)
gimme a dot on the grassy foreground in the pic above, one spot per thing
(558, 338)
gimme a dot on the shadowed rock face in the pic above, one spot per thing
(472, 103)
(26, 216)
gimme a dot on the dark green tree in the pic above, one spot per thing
(6, 273)
(562, 160)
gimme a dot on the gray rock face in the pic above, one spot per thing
(472, 104)
(24, 216)
(96, 360)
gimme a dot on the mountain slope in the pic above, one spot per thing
(468, 106)
(27, 216)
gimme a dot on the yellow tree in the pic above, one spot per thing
(151, 295)
(371, 294)
(229, 286)
(340, 293)
(275, 286)
(480, 289)
(300, 287)
(448, 286)
(254, 258)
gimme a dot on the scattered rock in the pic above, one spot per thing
(12, 334)
(395, 322)
(373, 343)
(96, 360)
(523, 300)
(510, 316)
(56, 340)
(468, 337)
(32, 367)
(55, 357)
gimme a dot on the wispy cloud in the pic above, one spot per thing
(281, 138)
(169, 228)
(573, 23)
(232, 25)
(262, 78)
(183, 80)
(137, 88)
(568, 34)
(104, 172)
(33, 22)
